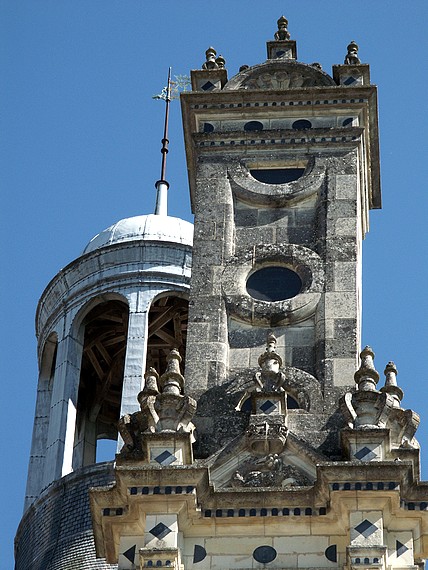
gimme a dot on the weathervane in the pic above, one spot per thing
(171, 91)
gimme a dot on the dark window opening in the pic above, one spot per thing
(277, 175)
(347, 122)
(274, 284)
(208, 128)
(292, 404)
(301, 125)
(101, 379)
(168, 318)
(253, 126)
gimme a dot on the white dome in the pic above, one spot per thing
(150, 228)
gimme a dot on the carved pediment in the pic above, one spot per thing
(236, 466)
(280, 75)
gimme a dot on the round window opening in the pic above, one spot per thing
(274, 284)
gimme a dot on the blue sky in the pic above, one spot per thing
(80, 149)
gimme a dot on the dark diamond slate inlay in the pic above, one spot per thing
(349, 81)
(165, 458)
(400, 548)
(365, 453)
(366, 528)
(208, 86)
(160, 531)
(268, 407)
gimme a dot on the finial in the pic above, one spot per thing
(282, 33)
(220, 61)
(367, 376)
(172, 381)
(270, 359)
(162, 185)
(151, 378)
(210, 62)
(352, 55)
(391, 387)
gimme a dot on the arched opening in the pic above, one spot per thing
(101, 380)
(167, 329)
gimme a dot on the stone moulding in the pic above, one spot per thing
(248, 189)
(305, 262)
(202, 504)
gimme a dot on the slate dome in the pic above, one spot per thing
(149, 227)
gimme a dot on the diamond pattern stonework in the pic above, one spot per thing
(165, 458)
(208, 86)
(268, 407)
(160, 531)
(366, 528)
(365, 453)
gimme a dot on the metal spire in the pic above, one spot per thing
(162, 185)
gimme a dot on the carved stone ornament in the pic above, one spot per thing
(369, 408)
(352, 55)
(164, 408)
(279, 74)
(268, 471)
(210, 62)
(282, 33)
(266, 434)
(269, 378)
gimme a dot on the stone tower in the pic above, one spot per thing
(275, 446)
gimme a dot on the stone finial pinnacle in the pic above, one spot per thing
(172, 381)
(352, 55)
(391, 387)
(151, 378)
(282, 33)
(270, 358)
(367, 376)
(221, 62)
(210, 61)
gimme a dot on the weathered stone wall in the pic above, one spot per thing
(56, 531)
(312, 225)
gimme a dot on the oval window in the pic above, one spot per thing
(253, 126)
(208, 128)
(264, 554)
(276, 175)
(274, 284)
(301, 125)
(347, 122)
